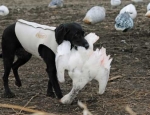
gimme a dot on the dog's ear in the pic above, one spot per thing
(60, 33)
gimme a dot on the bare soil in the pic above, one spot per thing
(130, 60)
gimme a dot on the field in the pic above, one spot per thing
(130, 60)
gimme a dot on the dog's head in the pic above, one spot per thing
(72, 32)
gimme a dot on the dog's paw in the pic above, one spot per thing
(66, 100)
(51, 94)
(8, 95)
(18, 83)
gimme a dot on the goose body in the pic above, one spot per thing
(83, 66)
(67, 59)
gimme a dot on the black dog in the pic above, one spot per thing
(11, 46)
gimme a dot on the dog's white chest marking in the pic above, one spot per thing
(31, 35)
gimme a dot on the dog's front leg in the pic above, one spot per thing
(49, 58)
(53, 82)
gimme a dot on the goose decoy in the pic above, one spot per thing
(56, 3)
(115, 2)
(148, 11)
(123, 22)
(130, 9)
(95, 15)
(4, 10)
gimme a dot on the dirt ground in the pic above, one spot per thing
(130, 61)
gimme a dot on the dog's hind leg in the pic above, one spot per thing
(10, 44)
(23, 57)
(7, 67)
(49, 58)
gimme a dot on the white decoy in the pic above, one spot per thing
(130, 9)
(148, 11)
(4, 10)
(56, 3)
(95, 15)
(123, 22)
(136, 1)
(115, 2)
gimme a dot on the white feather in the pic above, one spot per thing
(91, 39)
(62, 57)
(75, 60)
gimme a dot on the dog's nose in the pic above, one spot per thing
(86, 46)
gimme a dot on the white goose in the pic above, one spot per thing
(67, 59)
(95, 15)
(148, 11)
(115, 2)
(93, 65)
(56, 3)
(4, 10)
